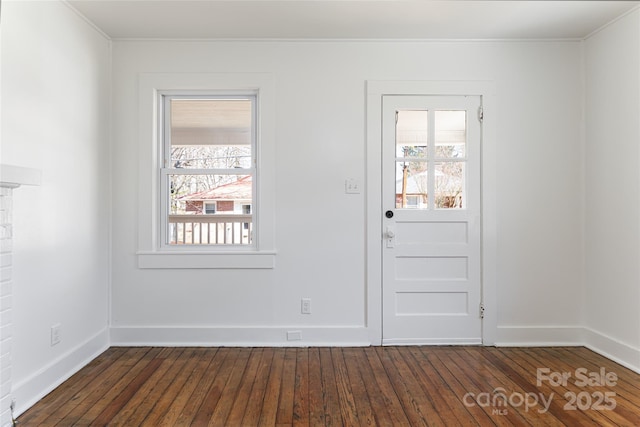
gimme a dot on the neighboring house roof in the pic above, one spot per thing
(238, 190)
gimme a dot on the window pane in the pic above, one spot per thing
(192, 194)
(411, 185)
(449, 185)
(213, 157)
(412, 134)
(451, 134)
(210, 209)
(211, 133)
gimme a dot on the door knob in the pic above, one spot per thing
(389, 236)
(388, 214)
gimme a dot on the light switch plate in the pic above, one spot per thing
(352, 186)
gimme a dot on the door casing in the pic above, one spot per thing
(374, 92)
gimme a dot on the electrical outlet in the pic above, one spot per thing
(55, 334)
(294, 335)
(306, 306)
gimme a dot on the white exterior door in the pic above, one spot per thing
(431, 220)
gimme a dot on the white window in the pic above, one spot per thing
(208, 164)
(210, 208)
(207, 158)
(413, 201)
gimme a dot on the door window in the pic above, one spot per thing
(430, 159)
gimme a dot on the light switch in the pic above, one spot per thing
(352, 186)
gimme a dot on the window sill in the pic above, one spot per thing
(209, 260)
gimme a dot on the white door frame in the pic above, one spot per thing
(375, 91)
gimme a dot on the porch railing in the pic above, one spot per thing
(217, 229)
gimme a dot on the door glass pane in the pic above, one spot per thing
(449, 185)
(411, 185)
(412, 133)
(451, 134)
(211, 133)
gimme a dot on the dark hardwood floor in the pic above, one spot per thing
(385, 386)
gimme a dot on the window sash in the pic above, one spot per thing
(165, 172)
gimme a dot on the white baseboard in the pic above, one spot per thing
(240, 336)
(611, 348)
(27, 392)
(434, 341)
(547, 336)
(539, 336)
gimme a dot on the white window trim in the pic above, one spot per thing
(150, 252)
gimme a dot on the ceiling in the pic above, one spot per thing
(350, 19)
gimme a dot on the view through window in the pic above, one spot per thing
(209, 169)
(430, 159)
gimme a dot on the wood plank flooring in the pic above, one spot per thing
(385, 386)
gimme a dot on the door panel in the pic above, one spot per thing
(424, 233)
(431, 243)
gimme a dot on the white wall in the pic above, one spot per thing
(556, 228)
(612, 188)
(320, 102)
(55, 118)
